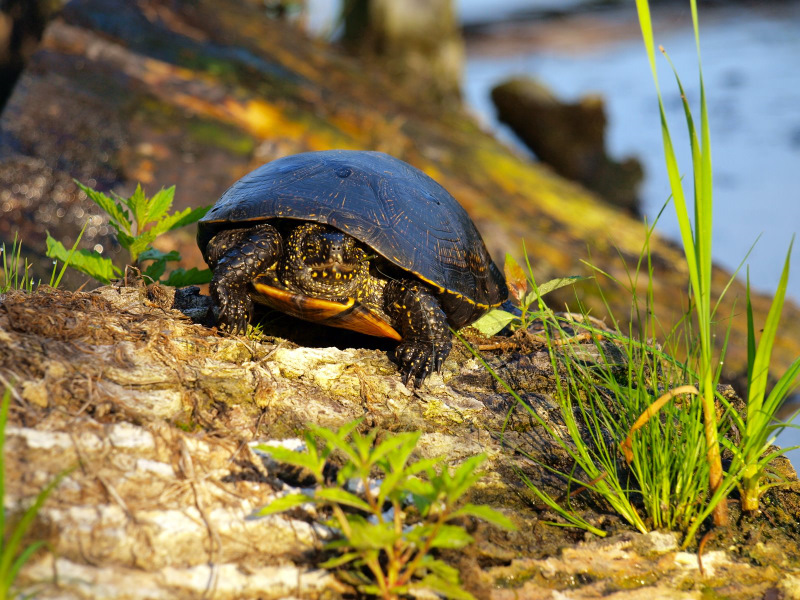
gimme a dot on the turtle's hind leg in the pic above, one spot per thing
(423, 325)
(237, 256)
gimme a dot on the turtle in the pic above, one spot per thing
(352, 239)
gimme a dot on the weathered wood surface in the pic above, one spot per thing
(155, 415)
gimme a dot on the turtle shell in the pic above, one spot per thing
(383, 202)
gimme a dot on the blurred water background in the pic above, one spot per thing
(752, 81)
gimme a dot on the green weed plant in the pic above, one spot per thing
(524, 299)
(390, 529)
(137, 221)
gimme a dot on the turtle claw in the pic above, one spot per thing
(418, 359)
(235, 308)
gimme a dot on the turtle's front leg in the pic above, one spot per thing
(423, 325)
(237, 256)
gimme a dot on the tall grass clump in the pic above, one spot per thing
(750, 461)
(633, 426)
(16, 271)
(696, 238)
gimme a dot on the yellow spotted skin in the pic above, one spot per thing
(362, 230)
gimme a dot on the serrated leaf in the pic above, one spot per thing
(86, 261)
(396, 448)
(160, 203)
(336, 441)
(515, 279)
(481, 511)
(465, 477)
(125, 240)
(282, 504)
(155, 270)
(179, 219)
(493, 322)
(554, 284)
(298, 459)
(340, 496)
(141, 243)
(427, 465)
(138, 204)
(119, 217)
(180, 277)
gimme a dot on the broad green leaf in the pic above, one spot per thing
(180, 277)
(338, 561)
(86, 261)
(440, 568)
(119, 217)
(156, 269)
(448, 536)
(372, 590)
(370, 536)
(155, 254)
(340, 496)
(283, 503)
(481, 511)
(493, 322)
(515, 279)
(440, 586)
(160, 203)
(554, 284)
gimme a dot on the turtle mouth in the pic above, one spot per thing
(332, 268)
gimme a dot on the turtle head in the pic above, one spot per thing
(323, 261)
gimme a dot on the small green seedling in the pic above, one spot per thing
(524, 294)
(138, 221)
(391, 526)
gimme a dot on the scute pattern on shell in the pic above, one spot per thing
(385, 203)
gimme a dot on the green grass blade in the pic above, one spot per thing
(751, 331)
(66, 261)
(760, 370)
(3, 421)
(13, 542)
